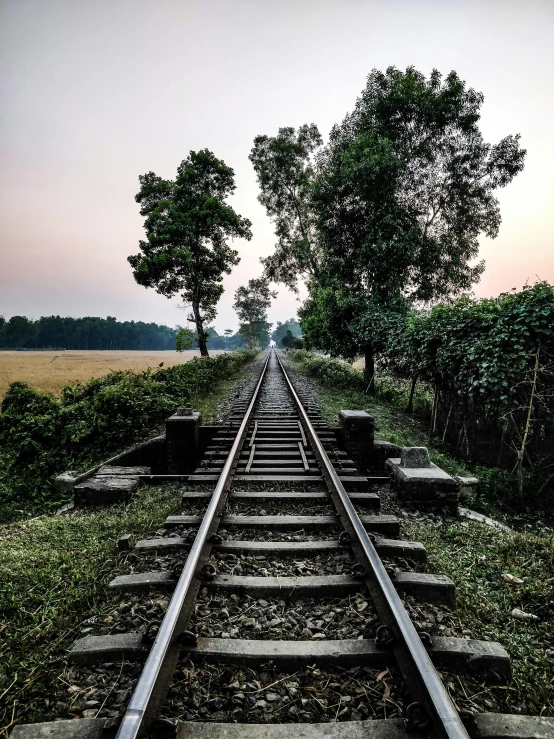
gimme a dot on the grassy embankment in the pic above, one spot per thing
(53, 576)
(42, 434)
(476, 557)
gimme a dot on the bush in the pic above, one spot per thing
(331, 372)
(41, 436)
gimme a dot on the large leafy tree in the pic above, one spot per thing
(188, 225)
(398, 200)
(251, 303)
(285, 167)
(282, 329)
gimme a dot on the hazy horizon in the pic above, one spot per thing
(95, 94)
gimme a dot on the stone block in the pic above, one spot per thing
(116, 471)
(426, 487)
(468, 487)
(383, 450)
(65, 482)
(357, 431)
(104, 490)
(182, 441)
(83, 728)
(414, 457)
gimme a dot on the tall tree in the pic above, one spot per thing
(282, 329)
(285, 167)
(251, 304)
(398, 199)
(188, 225)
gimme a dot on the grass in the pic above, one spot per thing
(50, 371)
(475, 557)
(53, 576)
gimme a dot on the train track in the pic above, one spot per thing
(277, 442)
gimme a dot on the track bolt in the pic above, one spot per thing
(358, 572)
(416, 717)
(384, 636)
(216, 539)
(208, 572)
(345, 539)
(191, 536)
(426, 638)
(151, 632)
(163, 728)
(188, 639)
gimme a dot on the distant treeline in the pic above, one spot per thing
(93, 333)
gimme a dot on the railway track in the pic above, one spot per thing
(276, 456)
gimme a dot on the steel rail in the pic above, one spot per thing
(419, 672)
(138, 713)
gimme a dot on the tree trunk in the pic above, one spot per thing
(200, 330)
(369, 369)
(410, 406)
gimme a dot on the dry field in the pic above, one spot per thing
(50, 371)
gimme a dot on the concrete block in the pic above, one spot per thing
(468, 487)
(91, 649)
(85, 728)
(414, 457)
(118, 471)
(104, 490)
(357, 431)
(65, 482)
(182, 441)
(426, 487)
(383, 450)
(510, 726)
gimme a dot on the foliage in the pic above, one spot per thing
(394, 205)
(88, 333)
(251, 304)
(184, 340)
(290, 341)
(41, 436)
(283, 328)
(331, 372)
(491, 364)
(285, 167)
(54, 575)
(188, 224)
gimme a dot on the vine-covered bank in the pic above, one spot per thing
(480, 374)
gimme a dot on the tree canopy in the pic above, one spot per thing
(282, 329)
(395, 201)
(188, 225)
(251, 304)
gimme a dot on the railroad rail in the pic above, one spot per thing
(277, 439)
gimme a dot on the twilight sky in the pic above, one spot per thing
(95, 92)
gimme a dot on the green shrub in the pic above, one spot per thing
(41, 436)
(331, 372)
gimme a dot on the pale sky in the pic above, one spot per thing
(95, 92)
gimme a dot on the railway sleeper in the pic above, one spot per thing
(390, 548)
(446, 652)
(438, 589)
(479, 726)
(380, 524)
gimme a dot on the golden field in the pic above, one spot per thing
(50, 371)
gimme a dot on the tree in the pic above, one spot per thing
(251, 304)
(282, 328)
(399, 198)
(285, 168)
(188, 224)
